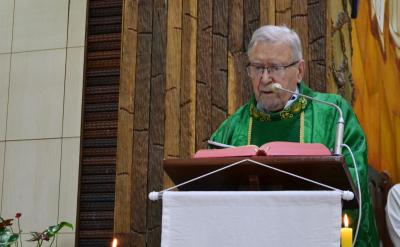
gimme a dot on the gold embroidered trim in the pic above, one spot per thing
(297, 107)
(265, 117)
(302, 127)
(249, 130)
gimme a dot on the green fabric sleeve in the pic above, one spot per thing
(233, 131)
(354, 137)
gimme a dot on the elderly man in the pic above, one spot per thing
(275, 57)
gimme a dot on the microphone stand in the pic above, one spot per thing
(340, 123)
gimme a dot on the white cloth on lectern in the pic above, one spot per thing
(245, 218)
(393, 214)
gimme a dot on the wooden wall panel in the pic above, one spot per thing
(283, 14)
(317, 45)
(141, 123)
(188, 78)
(300, 25)
(204, 72)
(251, 21)
(219, 78)
(267, 12)
(173, 79)
(157, 116)
(235, 52)
(125, 131)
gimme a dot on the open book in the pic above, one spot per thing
(268, 149)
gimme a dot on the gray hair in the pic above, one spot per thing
(274, 34)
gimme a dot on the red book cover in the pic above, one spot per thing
(268, 149)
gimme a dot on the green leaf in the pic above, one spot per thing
(13, 238)
(7, 237)
(53, 230)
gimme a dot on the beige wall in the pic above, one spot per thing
(41, 74)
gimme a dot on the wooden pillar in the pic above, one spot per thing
(123, 181)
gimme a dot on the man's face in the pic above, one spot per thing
(279, 54)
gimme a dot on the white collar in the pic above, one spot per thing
(292, 98)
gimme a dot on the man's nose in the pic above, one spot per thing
(265, 76)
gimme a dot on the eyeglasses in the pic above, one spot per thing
(255, 70)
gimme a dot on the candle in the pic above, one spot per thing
(346, 233)
(114, 242)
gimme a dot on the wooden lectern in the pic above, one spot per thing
(329, 170)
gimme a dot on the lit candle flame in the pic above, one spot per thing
(346, 220)
(115, 242)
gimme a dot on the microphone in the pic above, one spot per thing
(340, 123)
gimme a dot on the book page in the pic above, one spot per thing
(295, 148)
(248, 150)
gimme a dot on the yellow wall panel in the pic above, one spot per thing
(377, 89)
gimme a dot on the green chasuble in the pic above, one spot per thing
(309, 122)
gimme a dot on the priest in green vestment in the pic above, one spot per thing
(275, 57)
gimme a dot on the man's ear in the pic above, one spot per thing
(300, 70)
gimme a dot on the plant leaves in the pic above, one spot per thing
(53, 230)
(7, 237)
(35, 236)
(6, 223)
(13, 238)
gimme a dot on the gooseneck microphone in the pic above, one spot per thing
(340, 123)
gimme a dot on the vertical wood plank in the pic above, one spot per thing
(155, 183)
(267, 12)
(251, 23)
(137, 240)
(317, 45)
(139, 184)
(204, 73)
(158, 56)
(157, 109)
(141, 121)
(131, 239)
(220, 68)
(188, 82)
(330, 30)
(154, 237)
(173, 83)
(283, 15)
(235, 31)
(125, 119)
(251, 20)
(173, 79)
(124, 239)
(300, 25)
(234, 85)
(235, 70)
